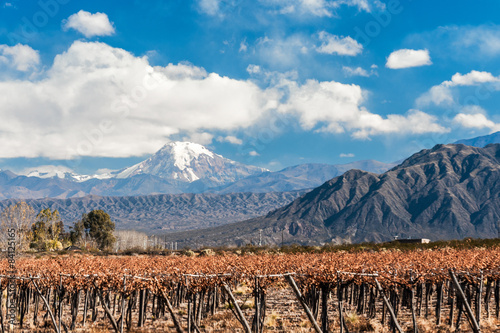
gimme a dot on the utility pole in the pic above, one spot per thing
(260, 237)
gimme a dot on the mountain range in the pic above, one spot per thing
(178, 167)
(167, 212)
(481, 141)
(447, 192)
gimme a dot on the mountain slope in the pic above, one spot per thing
(448, 192)
(303, 176)
(481, 141)
(156, 213)
(189, 162)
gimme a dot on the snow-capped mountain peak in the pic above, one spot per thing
(189, 162)
(60, 171)
(185, 152)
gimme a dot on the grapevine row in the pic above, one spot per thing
(327, 285)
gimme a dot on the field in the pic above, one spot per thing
(350, 291)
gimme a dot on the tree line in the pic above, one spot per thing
(44, 231)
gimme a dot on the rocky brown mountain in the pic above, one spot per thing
(447, 192)
(167, 212)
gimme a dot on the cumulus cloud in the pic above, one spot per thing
(476, 118)
(336, 107)
(406, 58)
(231, 139)
(253, 69)
(438, 95)
(253, 153)
(358, 71)
(333, 44)
(203, 138)
(443, 94)
(470, 79)
(476, 121)
(321, 8)
(90, 25)
(20, 57)
(349, 155)
(96, 100)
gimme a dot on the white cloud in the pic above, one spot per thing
(282, 53)
(253, 69)
(96, 100)
(203, 138)
(362, 5)
(333, 44)
(406, 58)
(358, 71)
(482, 40)
(321, 8)
(90, 25)
(21, 57)
(476, 121)
(210, 7)
(253, 153)
(438, 95)
(349, 155)
(243, 46)
(231, 139)
(470, 79)
(414, 122)
(442, 94)
(336, 107)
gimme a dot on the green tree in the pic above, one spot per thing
(47, 230)
(77, 232)
(99, 227)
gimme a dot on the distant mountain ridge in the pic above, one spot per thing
(447, 192)
(178, 167)
(481, 141)
(167, 212)
(303, 176)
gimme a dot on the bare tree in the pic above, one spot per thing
(19, 217)
(128, 239)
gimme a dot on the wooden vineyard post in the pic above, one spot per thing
(242, 319)
(473, 322)
(170, 308)
(106, 309)
(123, 303)
(478, 302)
(325, 290)
(60, 301)
(412, 303)
(439, 300)
(291, 281)
(339, 298)
(56, 328)
(389, 307)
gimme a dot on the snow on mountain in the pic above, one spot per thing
(189, 162)
(60, 171)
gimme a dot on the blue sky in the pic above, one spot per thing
(92, 84)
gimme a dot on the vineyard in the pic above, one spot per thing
(393, 290)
